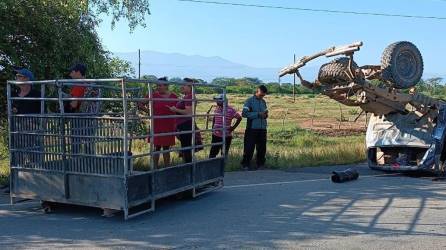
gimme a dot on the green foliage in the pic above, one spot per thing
(134, 11)
(120, 68)
(248, 85)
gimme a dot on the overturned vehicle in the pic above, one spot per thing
(406, 131)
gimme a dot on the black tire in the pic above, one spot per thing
(402, 65)
(335, 72)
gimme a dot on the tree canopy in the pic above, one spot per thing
(48, 36)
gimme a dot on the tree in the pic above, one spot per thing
(134, 11)
(120, 68)
(48, 36)
(434, 86)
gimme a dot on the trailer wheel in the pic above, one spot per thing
(335, 72)
(402, 65)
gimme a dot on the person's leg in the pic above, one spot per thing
(261, 148)
(228, 145)
(215, 148)
(186, 141)
(166, 156)
(75, 132)
(90, 144)
(156, 157)
(248, 147)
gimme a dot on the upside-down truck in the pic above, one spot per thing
(406, 131)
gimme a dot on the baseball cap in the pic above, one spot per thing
(79, 67)
(26, 73)
(219, 97)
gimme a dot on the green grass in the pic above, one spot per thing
(286, 149)
(4, 171)
(290, 142)
(4, 163)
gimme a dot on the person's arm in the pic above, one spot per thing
(237, 122)
(186, 111)
(142, 105)
(265, 113)
(247, 113)
(74, 104)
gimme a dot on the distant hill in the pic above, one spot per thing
(206, 68)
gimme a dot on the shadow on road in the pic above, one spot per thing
(271, 216)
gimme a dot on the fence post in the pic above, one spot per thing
(193, 139)
(152, 145)
(125, 146)
(283, 119)
(11, 160)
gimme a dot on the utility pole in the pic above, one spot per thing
(139, 64)
(294, 82)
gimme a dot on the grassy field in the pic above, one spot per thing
(309, 132)
(312, 131)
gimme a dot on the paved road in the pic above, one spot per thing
(264, 209)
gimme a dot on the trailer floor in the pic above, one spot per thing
(263, 209)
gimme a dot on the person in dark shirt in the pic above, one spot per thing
(26, 91)
(23, 107)
(256, 112)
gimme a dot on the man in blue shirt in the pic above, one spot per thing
(256, 113)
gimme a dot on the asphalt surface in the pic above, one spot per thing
(264, 209)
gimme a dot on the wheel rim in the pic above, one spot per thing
(406, 65)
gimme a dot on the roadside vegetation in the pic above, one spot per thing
(292, 141)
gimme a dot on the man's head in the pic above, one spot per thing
(24, 75)
(219, 99)
(162, 86)
(261, 91)
(78, 71)
(187, 88)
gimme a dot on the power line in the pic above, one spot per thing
(314, 10)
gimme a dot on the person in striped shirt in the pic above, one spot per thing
(217, 124)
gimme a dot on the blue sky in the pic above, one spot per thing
(269, 37)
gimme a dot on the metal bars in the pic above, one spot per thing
(107, 144)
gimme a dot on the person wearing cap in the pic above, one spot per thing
(217, 125)
(85, 127)
(256, 112)
(25, 90)
(21, 107)
(162, 125)
(77, 71)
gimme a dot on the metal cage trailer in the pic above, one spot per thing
(93, 157)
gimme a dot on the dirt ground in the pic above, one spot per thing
(331, 127)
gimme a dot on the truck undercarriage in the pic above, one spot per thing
(406, 131)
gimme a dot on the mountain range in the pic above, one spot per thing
(208, 68)
(202, 67)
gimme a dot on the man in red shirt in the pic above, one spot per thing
(77, 71)
(78, 126)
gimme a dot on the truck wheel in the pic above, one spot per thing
(402, 65)
(335, 72)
